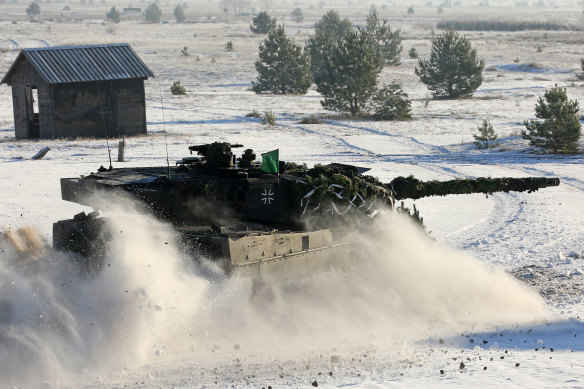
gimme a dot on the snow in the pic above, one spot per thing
(416, 314)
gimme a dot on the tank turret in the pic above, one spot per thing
(217, 154)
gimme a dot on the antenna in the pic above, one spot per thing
(164, 127)
(109, 152)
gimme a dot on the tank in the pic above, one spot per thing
(252, 217)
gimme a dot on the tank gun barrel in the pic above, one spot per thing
(412, 188)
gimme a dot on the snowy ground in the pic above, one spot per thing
(428, 314)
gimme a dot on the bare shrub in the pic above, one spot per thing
(312, 119)
(253, 114)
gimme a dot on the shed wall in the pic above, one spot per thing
(99, 109)
(24, 79)
(131, 110)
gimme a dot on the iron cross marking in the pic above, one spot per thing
(267, 196)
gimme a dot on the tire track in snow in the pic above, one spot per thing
(11, 44)
(14, 44)
(500, 239)
(341, 142)
(557, 236)
(400, 138)
(338, 139)
(570, 181)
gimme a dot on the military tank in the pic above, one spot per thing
(252, 217)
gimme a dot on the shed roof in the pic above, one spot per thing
(66, 64)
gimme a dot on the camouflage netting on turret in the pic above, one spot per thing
(336, 190)
(412, 188)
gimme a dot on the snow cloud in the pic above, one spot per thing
(149, 302)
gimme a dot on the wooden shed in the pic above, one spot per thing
(78, 91)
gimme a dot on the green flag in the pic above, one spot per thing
(270, 162)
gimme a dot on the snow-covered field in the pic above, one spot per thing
(417, 314)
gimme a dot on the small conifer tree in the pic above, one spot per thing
(268, 118)
(178, 89)
(113, 15)
(229, 46)
(33, 9)
(179, 14)
(453, 69)
(391, 103)
(263, 23)
(413, 53)
(153, 13)
(486, 134)
(560, 129)
(297, 15)
(388, 41)
(282, 66)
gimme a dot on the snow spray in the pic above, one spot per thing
(403, 287)
(58, 323)
(147, 303)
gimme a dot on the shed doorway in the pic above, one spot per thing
(32, 111)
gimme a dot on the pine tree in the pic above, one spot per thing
(560, 129)
(33, 9)
(391, 103)
(263, 23)
(177, 88)
(352, 69)
(388, 41)
(328, 31)
(297, 15)
(453, 69)
(179, 14)
(153, 13)
(113, 15)
(486, 134)
(282, 66)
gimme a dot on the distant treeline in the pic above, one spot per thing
(498, 25)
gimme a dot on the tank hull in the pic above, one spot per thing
(242, 250)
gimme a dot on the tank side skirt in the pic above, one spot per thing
(292, 255)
